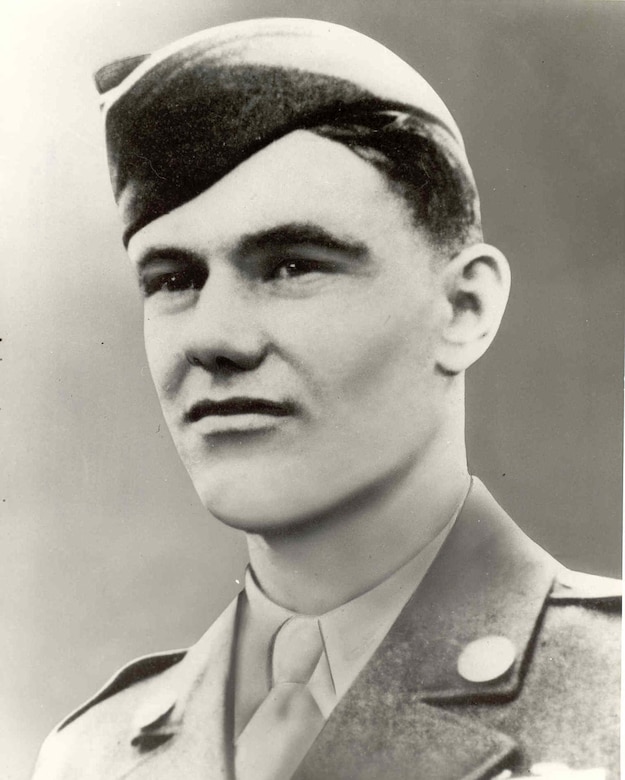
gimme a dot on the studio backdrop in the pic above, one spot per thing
(106, 552)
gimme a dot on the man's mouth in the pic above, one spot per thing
(238, 406)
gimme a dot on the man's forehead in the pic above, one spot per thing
(179, 120)
(300, 188)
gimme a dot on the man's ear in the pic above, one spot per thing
(477, 284)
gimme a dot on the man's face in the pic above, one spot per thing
(291, 317)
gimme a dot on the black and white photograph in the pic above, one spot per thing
(311, 348)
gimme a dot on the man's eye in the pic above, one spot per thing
(173, 282)
(289, 269)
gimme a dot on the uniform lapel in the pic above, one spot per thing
(184, 731)
(489, 579)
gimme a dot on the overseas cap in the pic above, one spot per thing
(183, 117)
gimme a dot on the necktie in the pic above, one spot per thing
(287, 722)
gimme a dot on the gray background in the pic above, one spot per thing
(105, 551)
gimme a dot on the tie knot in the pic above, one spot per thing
(297, 648)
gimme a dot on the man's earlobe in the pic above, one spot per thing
(477, 284)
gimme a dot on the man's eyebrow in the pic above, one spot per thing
(294, 233)
(278, 237)
(153, 254)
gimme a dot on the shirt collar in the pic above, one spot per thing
(353, 631)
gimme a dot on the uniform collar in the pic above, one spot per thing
(351, 632)
(488, 579)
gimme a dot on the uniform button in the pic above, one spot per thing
(485, 659)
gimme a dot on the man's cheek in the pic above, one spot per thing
(385, 355)
(166, 363)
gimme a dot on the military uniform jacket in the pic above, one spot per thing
(411, 713)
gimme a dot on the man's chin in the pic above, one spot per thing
(263, 519)
(266, 513)
(279, 501)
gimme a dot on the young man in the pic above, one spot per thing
(305, 227)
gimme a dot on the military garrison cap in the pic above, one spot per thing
(181, 118)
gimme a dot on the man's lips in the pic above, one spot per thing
(238, 406)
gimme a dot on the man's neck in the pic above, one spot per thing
(325, 563)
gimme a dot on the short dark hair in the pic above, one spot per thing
(414, 155)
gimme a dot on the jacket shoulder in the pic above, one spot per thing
(136, 671)
(124, 690)
(576, 587)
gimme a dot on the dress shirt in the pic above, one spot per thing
(351, 633)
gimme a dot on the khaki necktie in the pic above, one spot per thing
(288, 721)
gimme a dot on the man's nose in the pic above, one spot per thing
(225, 334)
